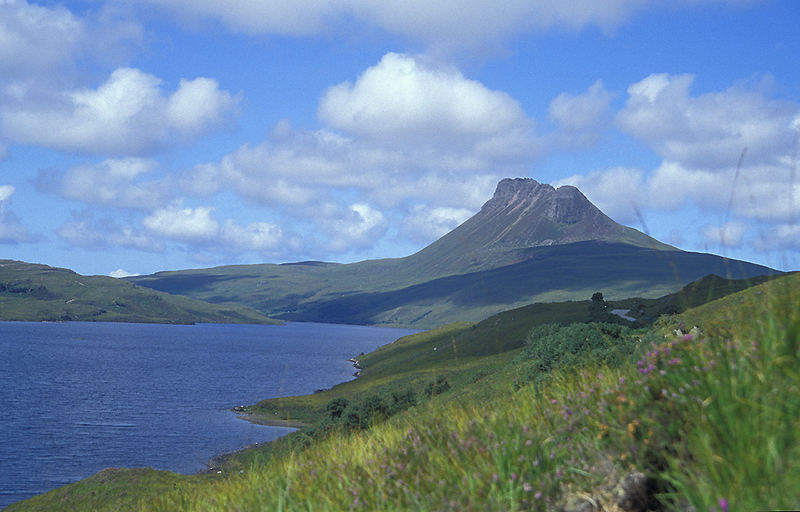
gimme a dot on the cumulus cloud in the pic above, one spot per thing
(781, 237)
(728, 235)
(35, 38)
(85, 231)
(708, 130)
(197, 227)
(424, 224)
(405, 132)
(403, 98)
(6, 191)
(120, 273)
(183, 223)
(114, 182)
(580, 117)
(357, 226)
(726, 151)
(618, 191)
(128, 114)
(12, 231)
(447, 24)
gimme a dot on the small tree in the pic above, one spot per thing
(336, 407)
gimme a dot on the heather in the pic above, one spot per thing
(700, 409)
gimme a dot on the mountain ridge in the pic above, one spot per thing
(529, 242)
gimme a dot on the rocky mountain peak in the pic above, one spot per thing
(564, 205)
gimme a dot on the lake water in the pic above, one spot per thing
(76, 398)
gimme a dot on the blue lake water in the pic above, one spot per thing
(76, 398)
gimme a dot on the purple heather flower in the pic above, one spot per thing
(527, 487)
(723, 504)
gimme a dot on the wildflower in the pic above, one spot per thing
(622, 380)
(513, 477)
(723, 504)
(527, 487)
(555, 401)
(538, 495)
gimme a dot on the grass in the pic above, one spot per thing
(30, 292)
(412, 292)
(124, 489)
(706, 408)
(712, 420)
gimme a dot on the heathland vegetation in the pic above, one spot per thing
(545, 407)
(31, 292)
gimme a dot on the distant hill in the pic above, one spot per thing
(32, 292)
(529, 243)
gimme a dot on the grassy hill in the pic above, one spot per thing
(31, 292)
(703, 421)
(529, 243)
(387, 292)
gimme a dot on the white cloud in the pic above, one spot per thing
(82, 233)
(258, 236)
(12, 231)
(198, 104)
(35, 38)
(113, 182)
(87, 232)
(618, 191)
(6, 191)
(582, 113)
(357, 226)
(405, 132)
(196, 227)
(728, 151)
(781, 237)
(727, 235)
(403, 98)
(425, 224)
(128, 114)
(120, 273)
(709, 130)
(445, 24)
(187, 224)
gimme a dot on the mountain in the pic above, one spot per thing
(529, 243)
(32, 292)
(522, 214)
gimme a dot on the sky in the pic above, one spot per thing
(139, 136)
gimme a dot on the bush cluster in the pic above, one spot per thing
(552, 346)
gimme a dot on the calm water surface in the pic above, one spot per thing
(80, 397)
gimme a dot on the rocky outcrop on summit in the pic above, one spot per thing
(523, 214)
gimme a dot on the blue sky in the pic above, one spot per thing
(153, 135)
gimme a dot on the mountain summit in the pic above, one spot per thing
(529, 243)
(523, 214)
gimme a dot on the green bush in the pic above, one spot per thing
(552, 346)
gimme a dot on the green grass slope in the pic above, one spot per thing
(392, 292)
(30, 292)
(705, 421)
(548, 274)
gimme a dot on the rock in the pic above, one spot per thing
(635, 493)
(580, 503)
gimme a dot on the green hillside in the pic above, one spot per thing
(703, 421)
(31, 292)
(376, 292)
(529, 243)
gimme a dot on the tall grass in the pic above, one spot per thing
(711, 417)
